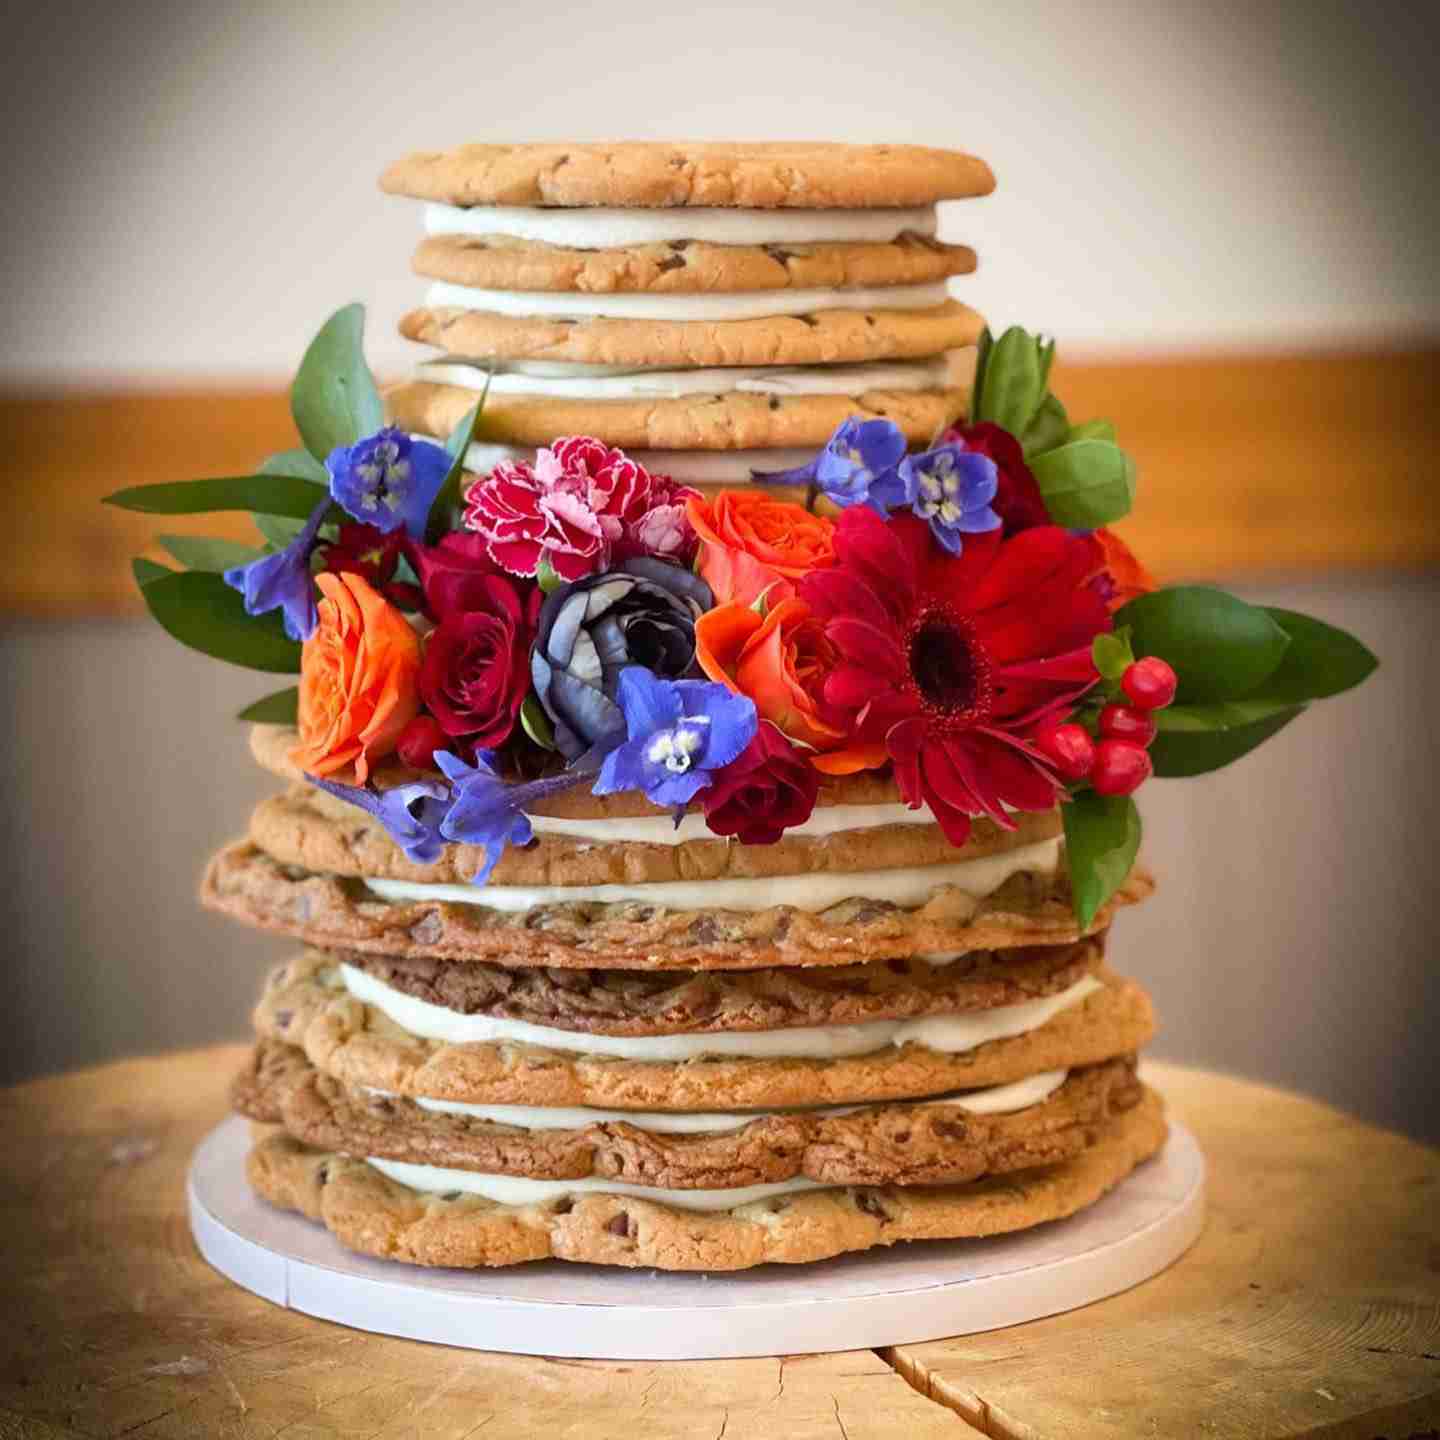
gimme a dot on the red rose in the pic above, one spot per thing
(449, 571)
(1017, 501)
(767, 788)
(476, 670)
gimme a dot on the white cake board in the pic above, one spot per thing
(898, 1295)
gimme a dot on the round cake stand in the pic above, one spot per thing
(898, 1295)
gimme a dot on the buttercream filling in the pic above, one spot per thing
(606, 228)
(993, 1100)
(662, 830)
(907, 887)
(705, 306)
(947, 1034)
(847, 380)
(691, 467)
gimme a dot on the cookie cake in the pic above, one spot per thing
(709, 785)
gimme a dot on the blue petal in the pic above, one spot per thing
(949, 539)
(282, 580)
(430, 464)
(733, 720)
(671, 789)
(624, 768)
(649, 704)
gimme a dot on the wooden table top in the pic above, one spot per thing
(1310, 1306)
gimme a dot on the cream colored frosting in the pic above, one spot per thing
(689, 467)
(606, 228)
(845, 380)
(662, 830)
(908, 887)
(948, 1034)
(704, 306)
(993, 1100)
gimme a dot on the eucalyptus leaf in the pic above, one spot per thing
(1049, 429)
(278, 530)
(546, 578)
(1047, 359)
(446, 504)
(1102, 836)
(281, 708)
(1319, 661)
(536, 723)
(983, 346)
(201, 552)
(145, 571)
(1219, 647)
(1014, 382)
(1085, 483)
(1112, 654)
(203, 612)
(1178, 752)
(297, 462)
(334, 399)
(273, 494)
(1093, 430)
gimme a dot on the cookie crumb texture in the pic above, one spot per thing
(371, 1214)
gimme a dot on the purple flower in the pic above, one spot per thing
(412, 814)
(951, 487)
(482, 809)
(678, 731)
(856, 467)
(388, 480)
(282, 580)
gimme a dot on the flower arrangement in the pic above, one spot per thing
(963, 618)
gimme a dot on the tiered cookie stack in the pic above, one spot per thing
(640, 1043)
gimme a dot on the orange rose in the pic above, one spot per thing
(359, 676)
(1128, 577)
(750, 542)
(780, 660)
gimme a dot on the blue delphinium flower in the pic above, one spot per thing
(951, 488)
(678, 732)
(483, 809)
(856, 467)
(388, 480)
(412, 814)
(282, 580)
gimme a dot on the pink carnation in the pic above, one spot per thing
(582, 505)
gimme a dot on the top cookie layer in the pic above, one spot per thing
(652, 174)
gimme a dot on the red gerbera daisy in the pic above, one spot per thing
(950, 661)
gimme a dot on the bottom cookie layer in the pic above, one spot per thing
(372, 1214)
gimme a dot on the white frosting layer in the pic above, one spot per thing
(845, 380)
(515, 1190)
(994, 1100)
(662, 830)
(908, 887)
(603, 228)
(690, 467)
(948, 1034)
(705, 306)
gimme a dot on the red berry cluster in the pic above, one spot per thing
(1117, 763)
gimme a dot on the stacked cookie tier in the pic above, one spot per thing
(644, 1045)
(711, 309)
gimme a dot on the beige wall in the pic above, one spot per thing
(1290, 937)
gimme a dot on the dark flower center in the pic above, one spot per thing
(950, 669)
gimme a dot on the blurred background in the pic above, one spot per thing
(1226, 213)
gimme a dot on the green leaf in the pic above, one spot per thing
(272, 494)
(1085, 483)
(446, 503)
(1112, 653)
(334, 399)
(1014, 381)
(536, 723)
(1220, 647)
(1319, 661)
(1193, 740)
(1102, 834)
(1047, 359)
(1048, 429)
(200, 552)
(1093, 430)
(983, 347)
(297, 462)
(203, 612)
(281, 708)
(278, 530)
(546, 577)
(145, 571)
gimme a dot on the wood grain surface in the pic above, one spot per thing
(1311, 1306)
(1249, 465)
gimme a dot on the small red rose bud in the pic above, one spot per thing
(1124, 722)
(1068, 747)
(419, 741)
(1150, 683)
(1121, 768)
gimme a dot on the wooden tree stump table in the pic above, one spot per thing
(1310, 1306)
